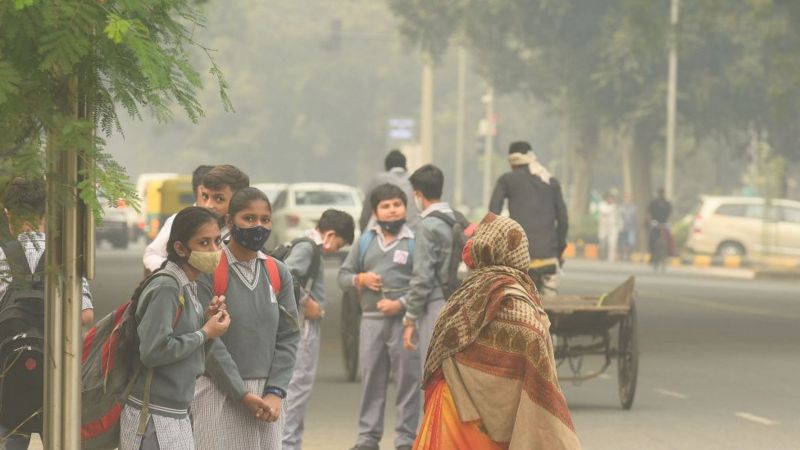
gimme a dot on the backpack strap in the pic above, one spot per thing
(20, 269)
(273, 273)
(450, 221)
(316, 260)
(221, 275)
(363, 244)
(144, 413)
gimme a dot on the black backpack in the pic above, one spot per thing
(457, 225)
(22, 343)
(302, 282)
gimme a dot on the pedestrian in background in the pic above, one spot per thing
(397, 174)
(536, 202)
(23, 204)
(608, 227)
(334, 230)
(434, 241)
(629, 220)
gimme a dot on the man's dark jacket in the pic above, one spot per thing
(537, 206)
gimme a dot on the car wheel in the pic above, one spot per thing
(731, 249)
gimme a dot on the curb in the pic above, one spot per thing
(779, 266)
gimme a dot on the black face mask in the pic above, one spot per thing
(392, 227)
(251, 238)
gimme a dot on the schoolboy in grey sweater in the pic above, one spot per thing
(382, 271)
(432, 259)
(334, 231)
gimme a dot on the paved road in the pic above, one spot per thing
(720, 360)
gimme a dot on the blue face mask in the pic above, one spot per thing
(251, 238)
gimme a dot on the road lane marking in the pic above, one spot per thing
(725, 307)
(756, 419)
(672, 394)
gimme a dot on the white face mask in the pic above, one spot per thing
(205, 262)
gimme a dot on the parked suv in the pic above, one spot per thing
(739, 226)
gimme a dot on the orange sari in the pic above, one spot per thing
(442, 429)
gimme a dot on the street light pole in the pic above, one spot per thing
(458, 195)
(488, 146)
(426, 112)
(669, 173)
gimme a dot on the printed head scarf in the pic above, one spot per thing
(499, 254)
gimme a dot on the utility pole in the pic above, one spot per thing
(426, 111)
(672, 88)
(458, 194)
(488, 146)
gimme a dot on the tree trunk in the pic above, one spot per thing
(583, 157)
(637, 161)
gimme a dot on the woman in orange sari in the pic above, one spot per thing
(490, 377)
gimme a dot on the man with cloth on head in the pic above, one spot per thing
(535, 202)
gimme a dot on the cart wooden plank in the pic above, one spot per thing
(617, 301)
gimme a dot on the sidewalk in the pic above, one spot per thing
(632, 268)
(769, 264)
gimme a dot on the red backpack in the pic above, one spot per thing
(107, 377)
(221, 275)
(221, 282)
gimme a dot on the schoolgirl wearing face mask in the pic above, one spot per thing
(169, 336)
(262, 343)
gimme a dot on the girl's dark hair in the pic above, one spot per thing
(243, 197)
(185, 225)
(385, 192)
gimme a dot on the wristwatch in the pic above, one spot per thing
(275, 391)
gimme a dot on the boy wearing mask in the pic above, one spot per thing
(431, 266)
(380, 265)
(334, 231)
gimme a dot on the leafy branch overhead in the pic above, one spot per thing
(67, 67)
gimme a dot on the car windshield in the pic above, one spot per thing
(324, 198)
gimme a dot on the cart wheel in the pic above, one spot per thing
(350, 324)
(628, 358)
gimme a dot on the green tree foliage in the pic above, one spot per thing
(66, 67)
(603, 63)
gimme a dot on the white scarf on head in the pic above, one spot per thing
(529, 159)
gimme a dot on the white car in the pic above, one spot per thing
(745, 226)
(299, 206)
(270, 189)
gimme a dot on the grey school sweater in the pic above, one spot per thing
(262, 338)
(299, 263)
(432, 253)
(394, 264)
(176, 354)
